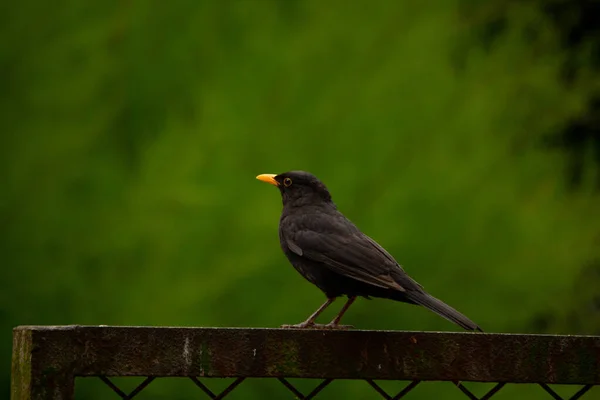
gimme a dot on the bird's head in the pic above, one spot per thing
(298, 188)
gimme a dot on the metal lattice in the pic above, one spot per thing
(488, 395)
(576, 396)
(221, 395)
(121, 393)
(299, 395)
(400, 394)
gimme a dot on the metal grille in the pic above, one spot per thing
(299, 395)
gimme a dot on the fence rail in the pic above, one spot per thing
(47, 359)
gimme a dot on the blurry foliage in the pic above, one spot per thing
(132, 132)
(576, 26)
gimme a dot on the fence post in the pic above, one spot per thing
(39, 372)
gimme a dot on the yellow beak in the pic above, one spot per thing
(269, 178)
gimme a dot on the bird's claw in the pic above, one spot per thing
(338, 327)
(312, 325)
(303, 325)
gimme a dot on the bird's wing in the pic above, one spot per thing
(354, 255)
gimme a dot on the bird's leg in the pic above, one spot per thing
(310, 321)
(335, 323)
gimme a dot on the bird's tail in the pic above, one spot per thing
(442, 309)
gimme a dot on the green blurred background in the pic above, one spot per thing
(461, 135)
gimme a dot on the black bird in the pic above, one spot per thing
(332, 253)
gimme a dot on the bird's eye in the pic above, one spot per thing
(287, 182)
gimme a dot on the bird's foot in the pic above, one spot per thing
(304, 325)
(337, 326)
(312, 325)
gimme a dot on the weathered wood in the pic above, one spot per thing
(46, 359)
(42, 365)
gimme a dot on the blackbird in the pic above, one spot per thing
(332, 253)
